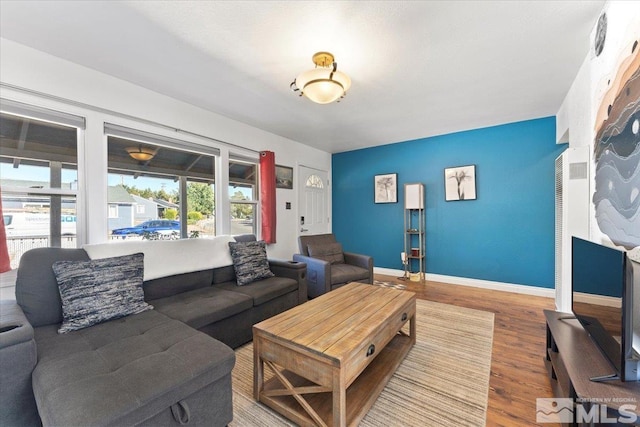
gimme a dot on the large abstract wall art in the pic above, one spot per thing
(617, 153)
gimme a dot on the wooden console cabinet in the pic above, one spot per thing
(572, 358)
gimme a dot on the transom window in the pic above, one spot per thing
(314, 181)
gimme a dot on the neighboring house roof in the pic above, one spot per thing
(25, 183)
(118, 194)
(142, 200)
(165, 204)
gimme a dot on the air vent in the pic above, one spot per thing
(578, 170)
(572, 215)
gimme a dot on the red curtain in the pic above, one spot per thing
(268, 195)
(5, 262)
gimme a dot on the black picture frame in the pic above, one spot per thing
(385, 188)
(460, 183)
(284, 177)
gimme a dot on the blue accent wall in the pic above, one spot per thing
(505, 235)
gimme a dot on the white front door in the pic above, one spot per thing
(313, 187)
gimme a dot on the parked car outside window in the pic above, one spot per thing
(160, 226)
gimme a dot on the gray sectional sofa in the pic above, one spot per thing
(167, 366)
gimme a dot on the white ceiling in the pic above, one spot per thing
(418, 68)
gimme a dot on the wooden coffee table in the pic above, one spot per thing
(332, 356)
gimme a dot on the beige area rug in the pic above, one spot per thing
(443, 381)
(389, 284)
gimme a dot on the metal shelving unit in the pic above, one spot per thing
(414, 230)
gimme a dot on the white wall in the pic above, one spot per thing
(26, 74)
(573, 119)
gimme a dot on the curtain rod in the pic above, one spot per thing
(117, 114)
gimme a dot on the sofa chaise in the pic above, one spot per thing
(169, 364)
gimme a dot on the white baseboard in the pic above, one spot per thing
(598, 300)
(476, 283)
(388, 271)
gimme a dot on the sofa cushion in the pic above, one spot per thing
(250, 261)
(330, 252)
(171, 285)
(343, 273)
(99, 290)
(224, 274)
(314, 239)
(203, 306)
(123, 371)
(264, 290)
(36, 286)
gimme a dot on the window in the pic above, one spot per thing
(201, 208)
(174, 181)
(243, 200)
(314, 181)
(113, 211)
(38, 176)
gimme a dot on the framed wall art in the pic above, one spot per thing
(284, 177)
(460, 183)
(386, 188)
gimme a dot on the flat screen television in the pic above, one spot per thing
(607, 305)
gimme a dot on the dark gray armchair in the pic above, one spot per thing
(328, 267)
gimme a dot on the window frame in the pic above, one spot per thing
(255, 200)
(43, 116)
(159, 141)
(92, 159)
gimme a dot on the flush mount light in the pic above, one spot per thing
(324, 84)
(140, 153)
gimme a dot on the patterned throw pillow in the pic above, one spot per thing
(99, 290)
(250, 261)
(330, 252)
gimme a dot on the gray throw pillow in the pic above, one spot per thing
(250, 261)
(330, 252)
(99, 290)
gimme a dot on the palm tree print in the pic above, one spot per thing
(385, 188)
(460, 175)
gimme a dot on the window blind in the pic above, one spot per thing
(40, 113)
(155, 139)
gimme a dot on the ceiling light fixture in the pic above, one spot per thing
(324, 84)
(140, 153)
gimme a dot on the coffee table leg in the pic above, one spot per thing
(412, 329)
(339, 399)
(258, 369)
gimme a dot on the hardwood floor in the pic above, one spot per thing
(518, 374)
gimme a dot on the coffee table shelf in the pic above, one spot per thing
(361, 394)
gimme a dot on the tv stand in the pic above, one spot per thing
(572, 360)
(601, 378)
